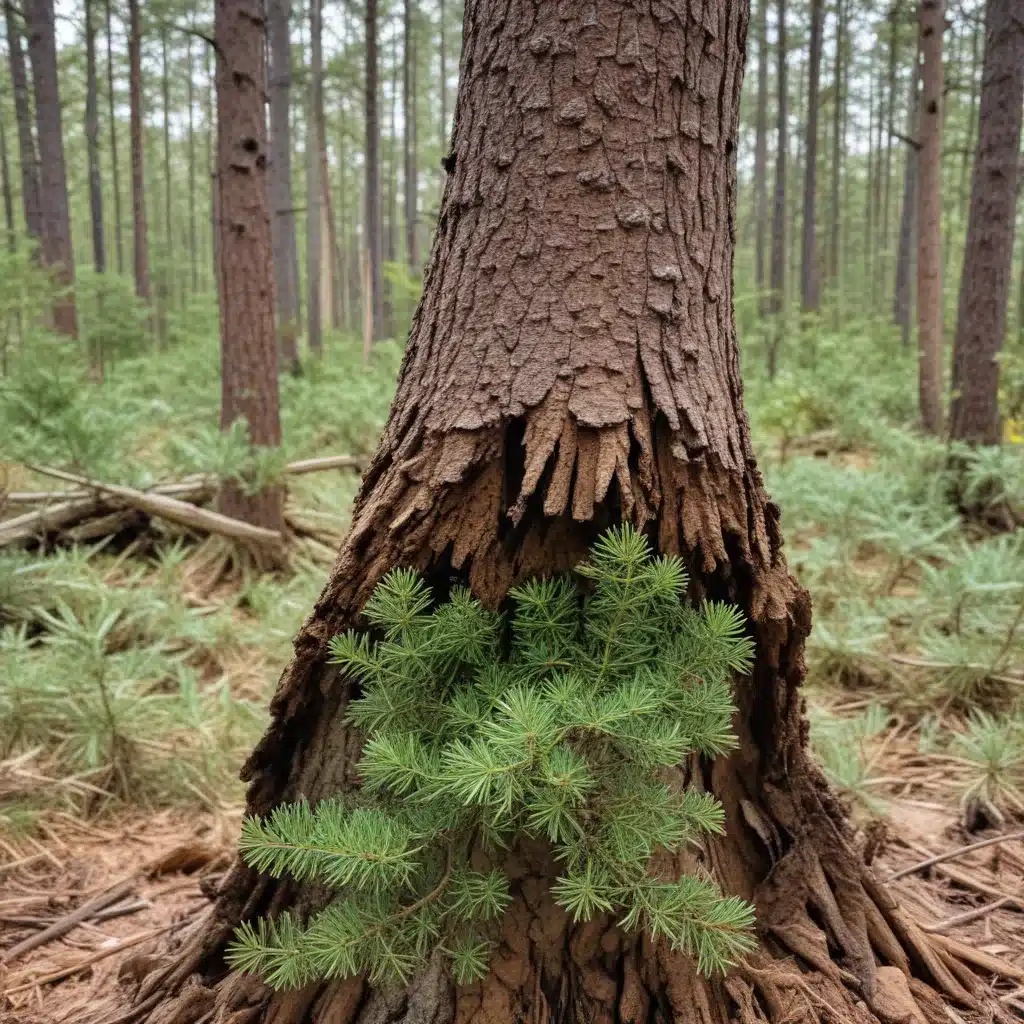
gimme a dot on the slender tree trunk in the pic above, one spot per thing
(778, 267)
(140, 237)
(167, 278)
(929, 219)
(794, 213)
(443, 58)
(193, 231)
(92, 134)
(972, 115)
(372, 187)
(280, 181)
(8, 191)
(211, 167)
(869, 178)
(838, 146)
(877, 182)
(333, 262)
(392, 178)
(809, 286)
(58, 253)
(988, 255)
(248, 341)
(893, 55)
(28, 158)
(497, 465)
(314, 324)
(115, 176)
(761, 157)
(905, 257)
(409, 138)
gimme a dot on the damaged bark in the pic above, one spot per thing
(573, 363)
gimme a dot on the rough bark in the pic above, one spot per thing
(778, 260)
(902, 297)
(92, 134)
(374, 237)
(809, 277)
(988, 255)
(28, 158)
(314, 192)
(248, 342)
(761, 155)
(929, 219)
(115, 176)
(140, 237)
(412, 252)
(57, 251)
(280, 179)
(573, 363)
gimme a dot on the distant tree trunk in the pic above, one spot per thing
(28, 158)
(988, 254)
(280, 182)
(794, 197)
(905, 256)
(190, 99)
(761, 156)
(314, 254)
(92, 134)
(115, 176)
(838, 144)
(972, 115)
(391, 178)
(372, 188)
(211, 167)
(877, 180)
(58, 253)
(140, 238)
(409, 138)
(167, 278)
(333, 263)
(929, 219)
(443, 56)
(869, 177)
(890, 133)
(8, 191)
(810, 295)
(247, 334)
(778, 267)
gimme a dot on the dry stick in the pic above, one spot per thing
(102, 954)
(71, 920)
(968, 881)
(986, 961)
(172, 509)
(953, 854)
(966, 917)
(326, 462)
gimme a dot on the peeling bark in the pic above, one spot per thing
(573, 363)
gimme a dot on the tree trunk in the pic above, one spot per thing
(838, 145)
(190, 99)
(140, 239)
(929, 219)
(761, 156)
(902, 295)
(314, 321)
(115, 176)
(28, 158)
(333, 262)
(8, 191)
(443, 58)
(392, 179)
(248, 343)
(809, 287)
(372, 188)
(890, 135)
(778, 266)
(167, 282)
(280, 180)
(969, 143)
(409, 139)
(92, 134)
(988, 255)
(57, 250)
(573, 363)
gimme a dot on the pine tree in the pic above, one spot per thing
(562, 724)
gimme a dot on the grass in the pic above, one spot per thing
(120, 680)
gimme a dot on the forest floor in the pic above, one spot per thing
(135, 669)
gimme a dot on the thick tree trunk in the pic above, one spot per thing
(58, 253)
(902, 292)
(761, 156)
(248, 341)
(314, 192)
(988, 256)
(412, 253)
(140, 238)
(92, 134)
(374, 237)
(115, 176)
(573, 363)
(778, 264)
(280, 178)
(28, 158)
(809, 283)
(929, 219)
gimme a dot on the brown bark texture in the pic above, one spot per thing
(280, 181)
(57, 250)
(92, 134)
(140, 238)
(809, 275)
(573, 363)
(248, 342)
(28, 158)
(988, 256)
(929, 219)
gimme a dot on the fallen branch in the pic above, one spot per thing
(986, 961)
(966, 917)
(172, 509)
(960, 851)
(325, 462)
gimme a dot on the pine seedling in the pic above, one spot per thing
(560, 722)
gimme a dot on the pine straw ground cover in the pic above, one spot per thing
(131, 686)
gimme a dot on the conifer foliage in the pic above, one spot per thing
(560, 722)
